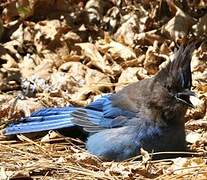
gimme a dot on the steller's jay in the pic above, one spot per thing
(148, 114)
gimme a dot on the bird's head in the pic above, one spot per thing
(176, 77)
(172, 85)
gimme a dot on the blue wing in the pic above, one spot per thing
(98, 115)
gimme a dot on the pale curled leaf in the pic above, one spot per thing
(51, 135)
(127, 76)
(96, 59)
(145, 155)
(193, 137)
(183, 165)
(116, 49)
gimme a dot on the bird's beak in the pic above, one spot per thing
(184, 97)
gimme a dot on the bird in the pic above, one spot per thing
(146, 114)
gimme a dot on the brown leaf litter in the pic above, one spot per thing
(57, 53)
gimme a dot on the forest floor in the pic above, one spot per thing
(58, 53)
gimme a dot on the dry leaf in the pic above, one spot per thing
(183, 165)
(127, 76)
(193, 137)
(179, 26)
(51, 135)
(201, 27)
(145, 156)
(116, 49)
(152, 60)
(96, 59)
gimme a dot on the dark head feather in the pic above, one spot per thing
(176, 76)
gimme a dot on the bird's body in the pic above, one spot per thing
(148, 114)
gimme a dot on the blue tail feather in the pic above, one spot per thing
(37, 124)
(100, 114)
(53, 111)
